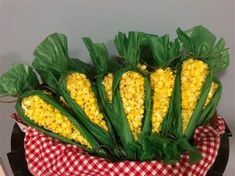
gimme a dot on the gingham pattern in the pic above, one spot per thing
(49, 157)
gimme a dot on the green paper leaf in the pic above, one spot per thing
(147, 111)
(129, 47)
(187, 42)
(98, 54)
(218, 58)
(202, 39)
(210, 109)
(174, 50)
(184, 145)
(169, 119)
(169, 152)
(199, 42)
(134, 151)
(52, 54)
(18, 79)
(159, 51)
(177, 104)
(51, 59)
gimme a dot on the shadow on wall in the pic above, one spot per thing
(83, 54)
(12, 58)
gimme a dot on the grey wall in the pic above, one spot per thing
(23, 24)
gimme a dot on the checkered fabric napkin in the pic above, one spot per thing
(49, 157)
(17, 118)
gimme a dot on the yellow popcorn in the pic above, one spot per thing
(132, 92)
(81, 92)
(193, 76)
(50, 118)
(162, 85)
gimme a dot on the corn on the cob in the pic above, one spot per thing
(162, 84)
(193, 76)
(50, 118)
(132, 92)
(107, 82)
(213, 88)
(81, 92)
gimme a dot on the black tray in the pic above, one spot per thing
(19, 166)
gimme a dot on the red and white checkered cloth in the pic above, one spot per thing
(49, 157)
